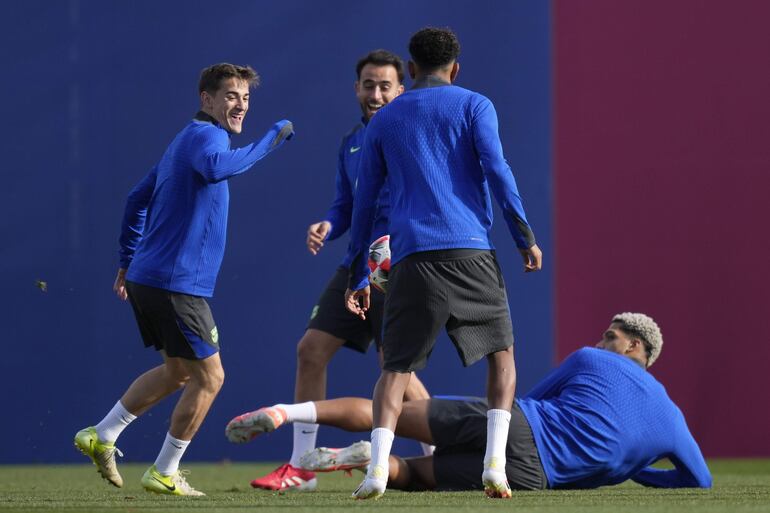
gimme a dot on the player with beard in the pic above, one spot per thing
(380, 74)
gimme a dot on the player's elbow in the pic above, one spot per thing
(211, 175)
(704, 481)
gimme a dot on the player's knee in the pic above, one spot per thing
(216, 379)
(312, 353)
(209, 380)
(361, 418)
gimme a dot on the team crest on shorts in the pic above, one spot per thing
(214, 335)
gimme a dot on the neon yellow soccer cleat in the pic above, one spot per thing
(175, 484)
(101, 453)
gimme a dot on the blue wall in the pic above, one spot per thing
(94, 91)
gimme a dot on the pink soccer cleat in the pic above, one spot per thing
(287, 478)
(246, 427)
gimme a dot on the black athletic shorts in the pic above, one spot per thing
(459, 429)
(331, 316)
(180, 324)
(460, 289)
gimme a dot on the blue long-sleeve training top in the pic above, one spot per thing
(439, 146)
(341, 210)
(600, 419)
(175, 220)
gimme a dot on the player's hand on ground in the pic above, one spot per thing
(316, 233)
(357, 301)
(119, 287)
(533, 259)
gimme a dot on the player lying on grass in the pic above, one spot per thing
(598, 419)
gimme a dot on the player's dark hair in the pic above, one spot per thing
(381, 58)
(432, 48)
(212, 77)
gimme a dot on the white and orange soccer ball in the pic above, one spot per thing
(379, 263)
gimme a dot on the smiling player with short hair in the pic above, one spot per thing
(171, 248)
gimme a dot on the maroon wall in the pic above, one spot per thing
(662, 196)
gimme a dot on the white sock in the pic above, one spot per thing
(170, 455)
(498, 422)
(300, 412)
(382, 442)
(114, 423)
(304, 440)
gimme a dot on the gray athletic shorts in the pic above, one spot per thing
(461, 290)
(459, 429)
(330, 315)
(179, 324)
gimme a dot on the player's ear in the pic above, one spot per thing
(356, 86)
(412, 69)
(206, 99)
(635, 344)
(454, 72)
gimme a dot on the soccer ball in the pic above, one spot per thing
(379, 263)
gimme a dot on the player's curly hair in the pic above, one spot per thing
(642, 326)
(432, 48)
(212, 77)
(381, 58)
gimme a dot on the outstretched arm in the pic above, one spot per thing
(215, 161)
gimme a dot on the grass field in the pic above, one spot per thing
(739, 486)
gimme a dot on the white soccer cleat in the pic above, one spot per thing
(325, 459)
(374, 484)
(244, 428)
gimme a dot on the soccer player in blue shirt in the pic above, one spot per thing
(439, 147)
(379, 77)
(600, 418)
(171, 247)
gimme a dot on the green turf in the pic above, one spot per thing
(739, 486)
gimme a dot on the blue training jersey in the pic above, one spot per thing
(600, 419)
(341, 210)
(439, 147)
(175, 221)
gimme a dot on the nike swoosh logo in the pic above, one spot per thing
(307, 432)
(354, 149)
(169, 488)
(175, 445)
